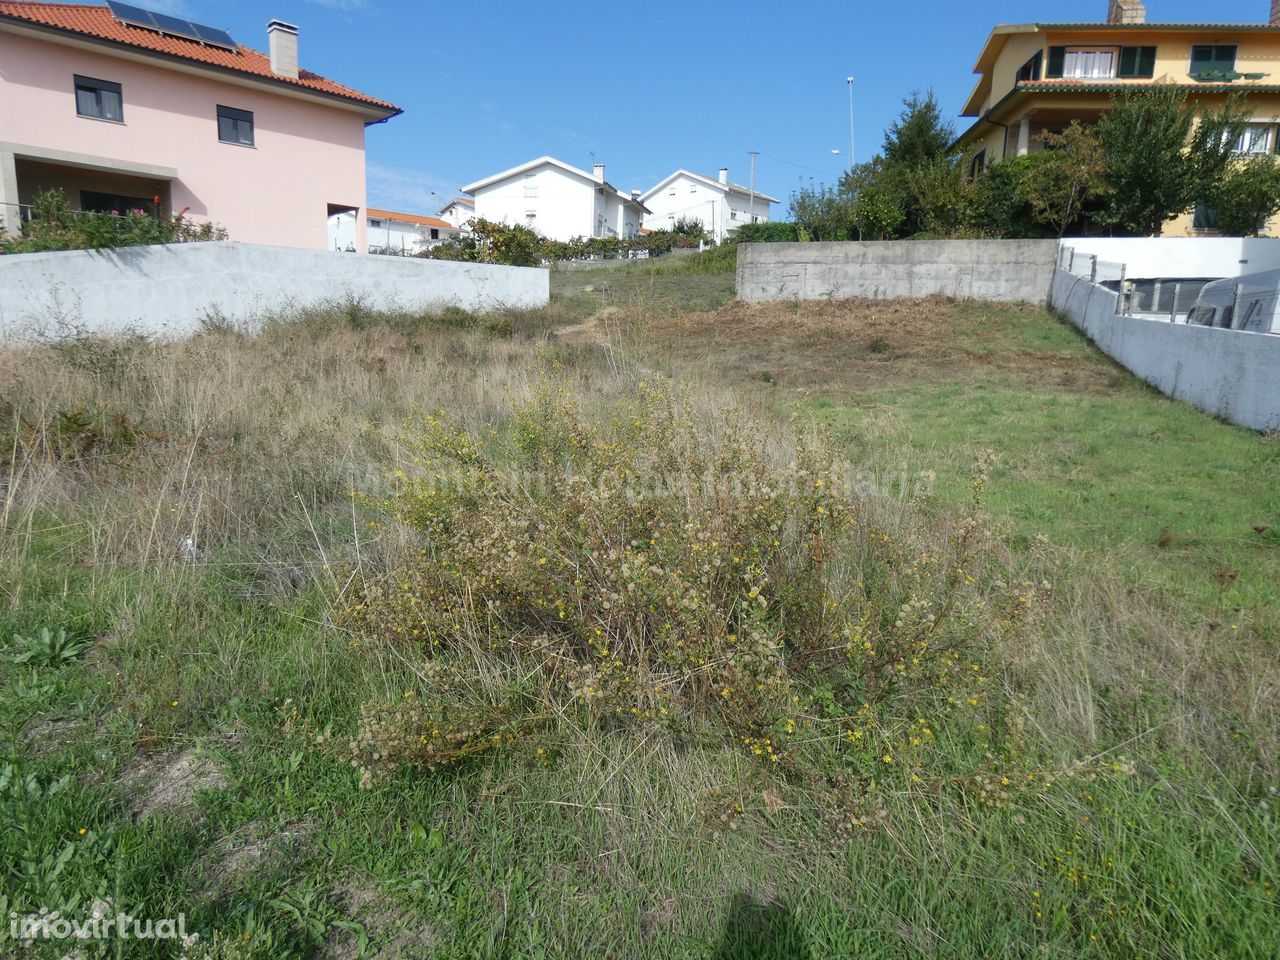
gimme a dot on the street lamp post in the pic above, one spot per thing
(853, 154)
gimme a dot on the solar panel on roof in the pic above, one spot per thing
(171, 26)
(135, 15)
(179, 28)
(212, 35)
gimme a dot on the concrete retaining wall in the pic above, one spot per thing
(1229, 373)
(1005, 270)
(168, 290)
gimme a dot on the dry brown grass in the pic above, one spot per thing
(851, 346)
(215, 437)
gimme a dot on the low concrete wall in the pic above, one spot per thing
(1229, 373)
(1005, 270)
(168, 290)
(1151, 258)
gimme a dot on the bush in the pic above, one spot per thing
(623, 569)
(490, 242)
(778, 231)
(1247, 197)
(55, 226)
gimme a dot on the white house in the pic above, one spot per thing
(405, 234)
(458, 211)
(558, 201)
(720, 206)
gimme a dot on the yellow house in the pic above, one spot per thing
(1038, 77)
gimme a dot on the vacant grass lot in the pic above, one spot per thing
(647, 625)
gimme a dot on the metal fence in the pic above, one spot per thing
(1089, 267)
(1168, 298)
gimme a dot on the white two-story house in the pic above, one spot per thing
(459, 211)
(558, 201)
(719, 205)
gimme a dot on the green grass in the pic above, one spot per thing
(694, 283)
(1166, 496)
(618, 841)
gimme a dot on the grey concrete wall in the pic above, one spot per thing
(1005, 270)
(1228, 373)
(168, 290)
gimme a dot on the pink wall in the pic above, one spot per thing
(306, 156)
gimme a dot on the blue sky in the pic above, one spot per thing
(648, 87)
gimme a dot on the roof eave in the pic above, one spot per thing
(379, 112)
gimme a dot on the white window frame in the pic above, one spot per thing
(530, 185)
(1071, 56)
(1257, 139)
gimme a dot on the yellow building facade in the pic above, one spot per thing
(1039, 77)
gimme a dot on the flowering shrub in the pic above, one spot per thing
(55, 226)
(623, 569)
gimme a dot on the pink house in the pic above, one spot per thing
(123, 108)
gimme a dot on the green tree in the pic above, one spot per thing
(490, 242)
(1066, 175)
(1162, 156)
(998, 206)
(1247, 196)
(918, 169)
(823, 212)
(938, 193)
(920, 135)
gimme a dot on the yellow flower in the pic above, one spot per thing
(83, 831)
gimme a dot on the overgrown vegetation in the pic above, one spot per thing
(520, 246)
(53, 225)
(1153, 156)
(448, 636)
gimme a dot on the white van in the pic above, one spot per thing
(1251, 302)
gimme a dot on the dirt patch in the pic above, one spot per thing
(169, 783)
(852, 346)
(598, 328)
(45, 736)
(101, 649)
(238, 855)
(391, 933)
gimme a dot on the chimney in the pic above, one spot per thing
(635, 194)
(597, 171)
(284, 48)
(724, 171)
(1126, 11)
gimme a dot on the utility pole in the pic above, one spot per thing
(853, 143)
(751, 210)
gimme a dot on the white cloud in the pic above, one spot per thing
(409, 191)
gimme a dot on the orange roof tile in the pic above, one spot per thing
(417, 218)
(96, 22)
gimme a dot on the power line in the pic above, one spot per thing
(791, 163)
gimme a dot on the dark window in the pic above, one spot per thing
(100, 99)
(91, 202)
(1205, 218)
(435, 233)
(1030, 71)
(979, 164)
(1137, 62)
(375, 224)
(1057, 61)
(235, 126)
(1212, 62)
